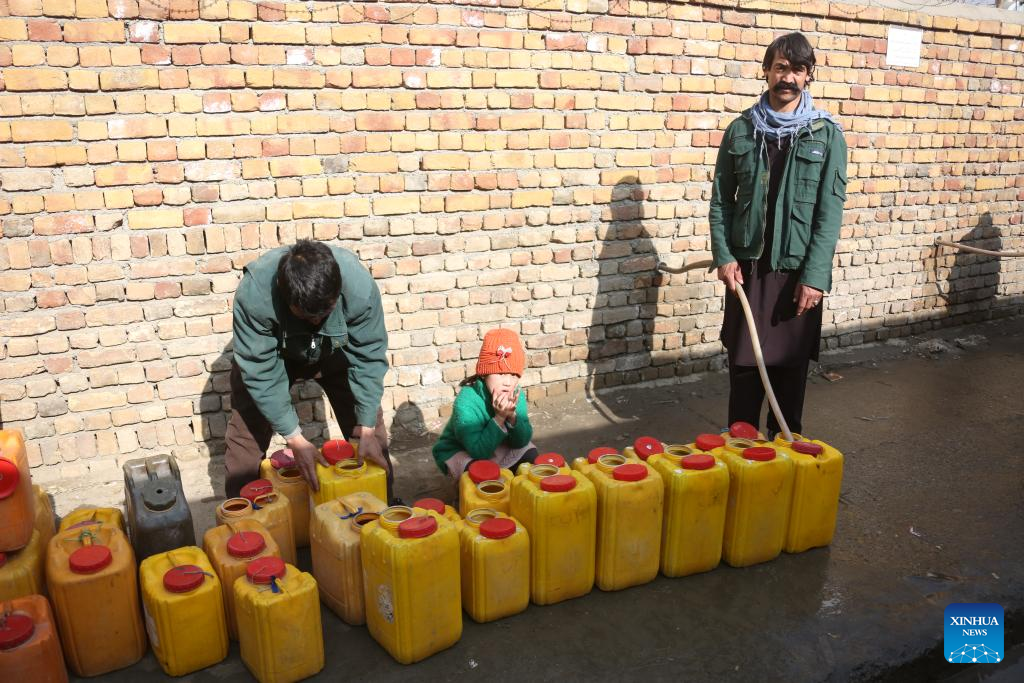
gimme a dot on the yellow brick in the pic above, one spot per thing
(210, 126)
(531, 198)
(647, 122)
(129, 79)
(292, 34)
(91, 9)
(445, 161)
(123, 198)
(13, 29)
(40, 131)
(147, 219)
(378, 163)
(633, 159)
(295, 166)
(516, 79)
(19, 80)
(355, 35)
(389, 206)
(82, 80)
(190, 32)
(357, 207)
(331, 208)
(27, 55)
(94, 32)
(303, 123)
(127, 174)
(466, 202)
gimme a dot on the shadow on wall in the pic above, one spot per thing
(969, 286)
(620, 338)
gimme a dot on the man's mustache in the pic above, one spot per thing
(783, 86)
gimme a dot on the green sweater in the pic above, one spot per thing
(472, 428)
(266, 334)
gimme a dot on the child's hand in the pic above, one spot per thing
(504, 407)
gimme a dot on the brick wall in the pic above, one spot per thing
(517, 161)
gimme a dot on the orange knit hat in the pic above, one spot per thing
(502, 352)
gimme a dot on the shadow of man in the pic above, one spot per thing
(620, 337)
(968, 287)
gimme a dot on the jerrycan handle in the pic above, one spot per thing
(350, 510)
(86, 538)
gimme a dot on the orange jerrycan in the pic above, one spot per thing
(272, 511)
(484, 485)
(630, 500)
(280, 470)
(438, 506)
(347, 475)
(231, 547)
(816, 485)
(29, 647)
(280, 634)
(696, 497)
(183, 603)
(760, 494)
(495, 555)
(44, 521)
(559, 512)
(643, 448)
(17, 500)
(23, 572)
(89, 515)
(94, 587)
(335, 548)
(411, 583)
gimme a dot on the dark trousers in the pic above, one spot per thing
(746, 395)
(248, 432)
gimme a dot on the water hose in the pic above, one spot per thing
(976, 250)
(755, 341)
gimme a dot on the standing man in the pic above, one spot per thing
(303, 312)
(776, 209)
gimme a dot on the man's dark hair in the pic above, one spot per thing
(794, 48)
(309, 277)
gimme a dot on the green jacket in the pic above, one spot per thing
(809, 212)
(266, 333)
(472, 428)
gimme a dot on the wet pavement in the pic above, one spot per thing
(931, 513)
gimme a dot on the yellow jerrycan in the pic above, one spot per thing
(643, 448)
(696, 498)
(274, 512)
(559, 512)
(17, 499)
(29, 647)
(438, 506)
(335, 545)
(743, 430)
(183, 604)
(44, 522)
(630, 499)
(816, 485)
(230, 548)
(495, 556)
(713, 444)
(89, 515)
(553, 459)
(347, 475)
(279, 630)
(760, 494)
(23, 572)
(94, 586)
(411, 575)
(484, 485)
(282, 473)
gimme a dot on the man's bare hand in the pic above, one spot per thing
(306, 457)
(806, 298)
(731, 275)
(370, 446)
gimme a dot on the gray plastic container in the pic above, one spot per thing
(158, 515)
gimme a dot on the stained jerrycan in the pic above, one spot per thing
(29, 647)
(484, 485)
(760, 495)
(280, 470)
(559, 512)
(438, 506)
(335, 547)
(347, 475)
(817, 481)
(643, 448)
(230, 548)
(44, 520)
(495, 565)
(88, 515)
(17, 500)
(261, 502)
(157, 513)
(280, 633)
(696, 497)
(183, 604)
(93, 583)
(23, 572)
(630, 499)
(553, 459)
(411, 583)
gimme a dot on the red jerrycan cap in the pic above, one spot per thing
(646, 446)
(336, 450)
(184, 578)
(697, 461)
(282, 458)
(435, 504)
(550, 459)
(256, 489)
(261, 571)
(246, 544)
(759, 453)
(90, 559)
(807, 448)
(742, 430)
(557, 483)
(631, 471)
(498, 527)
(9, 478)
(593, 455)
(484, 470)
(707, 442)
(417, 527)
(15, 630)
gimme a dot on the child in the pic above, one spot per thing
(489, 419)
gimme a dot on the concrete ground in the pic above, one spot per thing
(932, 512)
